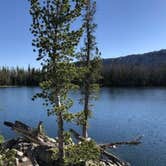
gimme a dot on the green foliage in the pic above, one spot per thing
(7, 156)
(112, 75)
(81, 152)
(55, 41)
(77, 154)
(1, 139)
(89, 65)
(54, 154)
(133, 75)
(80, 118)
(67, 138)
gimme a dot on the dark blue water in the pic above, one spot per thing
(119, 114)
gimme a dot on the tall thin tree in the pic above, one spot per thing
(90, 62)
(55, 40)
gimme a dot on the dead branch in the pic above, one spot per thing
(33, 135)
(136, 141)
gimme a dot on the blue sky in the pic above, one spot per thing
(124, 27)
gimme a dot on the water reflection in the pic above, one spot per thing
(119, 114)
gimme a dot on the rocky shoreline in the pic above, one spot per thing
(34, 148)
(31, 154)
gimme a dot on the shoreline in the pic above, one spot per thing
(129, 87)
(8, 86)
(15, 86)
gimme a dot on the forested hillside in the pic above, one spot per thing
(150, 59)
(147, 69)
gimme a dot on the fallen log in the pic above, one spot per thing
(33, 135)
(136, 141)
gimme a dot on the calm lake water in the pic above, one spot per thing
(119, 114)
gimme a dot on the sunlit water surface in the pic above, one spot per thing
(119, 114)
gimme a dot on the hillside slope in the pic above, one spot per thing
(147, 69)
(147, 59)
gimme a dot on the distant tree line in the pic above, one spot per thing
(112, 75)
(133, 75)
(19, 76)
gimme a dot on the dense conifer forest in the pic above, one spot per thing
(129, 75)
(114, 75)
(147, 69)
(19, 76)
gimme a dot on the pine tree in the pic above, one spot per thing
(90, 62)
(55, 41)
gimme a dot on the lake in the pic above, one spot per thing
(120, 114)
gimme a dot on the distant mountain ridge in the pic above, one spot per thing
(148, 69)
(147, 59)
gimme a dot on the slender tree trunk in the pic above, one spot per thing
(60, 133)
(59, 117)
(87, 83)
(86, 110)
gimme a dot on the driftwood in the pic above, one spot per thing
(33, 135)
(104, 154)
(136, 141)
(34, 144)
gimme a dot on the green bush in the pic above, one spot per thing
(7, 156)
(82, 152)
(1, 139)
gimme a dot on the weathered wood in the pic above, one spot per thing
(33, 135)
(136, 141)
(39, 128)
